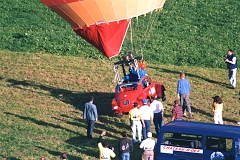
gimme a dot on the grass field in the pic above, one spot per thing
(48, 73)
(42, 99)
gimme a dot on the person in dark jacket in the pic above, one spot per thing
(90, 114)
(232, 66)
(125, 146)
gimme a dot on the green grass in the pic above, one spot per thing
(42, 95)
(42, 98)
(194, 33)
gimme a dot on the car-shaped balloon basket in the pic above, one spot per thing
(135, 86)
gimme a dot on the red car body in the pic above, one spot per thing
(128, 93)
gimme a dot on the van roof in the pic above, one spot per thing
(202, 128)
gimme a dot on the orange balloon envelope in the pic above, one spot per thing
(103, 23)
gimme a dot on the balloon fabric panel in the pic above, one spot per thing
(91, 12)
(107, 38)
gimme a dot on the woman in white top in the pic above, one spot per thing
(217, 108)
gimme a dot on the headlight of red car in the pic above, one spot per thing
(114, 104)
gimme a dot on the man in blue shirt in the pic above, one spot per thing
(183, 91)
(90, 114)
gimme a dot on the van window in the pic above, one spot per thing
(219, 144)
(237, 145)
(182, 140)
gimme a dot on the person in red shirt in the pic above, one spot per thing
(177, 111)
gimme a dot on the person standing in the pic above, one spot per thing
(125, 146)
(148, 146)
(232, 66)
(135, 123)
(90, 114)
(183, 92)
(105, 153)
(158, 112)
(147, 116)
(177, 111)
(217, 108)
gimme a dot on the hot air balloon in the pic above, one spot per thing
(102, 23)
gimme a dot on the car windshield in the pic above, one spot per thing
(127, 87)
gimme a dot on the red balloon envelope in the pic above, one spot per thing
(107, 38)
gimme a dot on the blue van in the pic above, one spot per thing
(187, 140)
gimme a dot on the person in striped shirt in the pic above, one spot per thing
(177, 111)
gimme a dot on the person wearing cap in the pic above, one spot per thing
(177, 111)
(135, 123)
(146, 116)
(217, 109)
(183, 93)
(158, 112)
(148, 146)
(105, 153)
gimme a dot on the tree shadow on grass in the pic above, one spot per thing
(8, 158)
(190, 75)
(101, 99)
(100, 125)
(77, 142)
(58, 154)
(42, 123)
(89, 147)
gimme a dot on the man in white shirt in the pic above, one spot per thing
(158, 110)
(146, 116)
(148, 146)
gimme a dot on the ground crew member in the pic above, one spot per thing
(135, 123)
(148, 146)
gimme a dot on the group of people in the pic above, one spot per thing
(183, 91)
(135, 73)
(125, 146)
(141, 117)
(140, 121)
